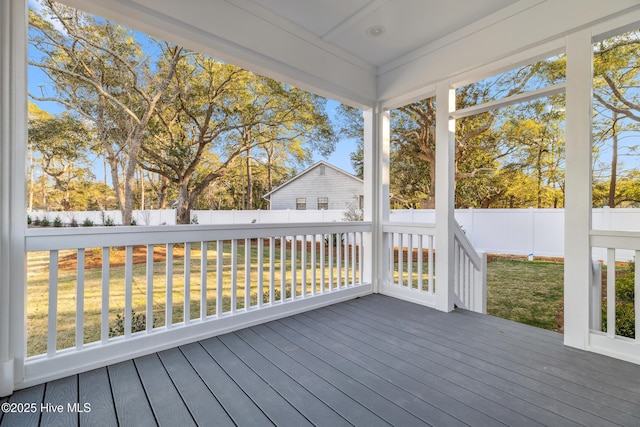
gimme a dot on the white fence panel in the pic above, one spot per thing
(528, 232)
(266, 217)
(98, 218)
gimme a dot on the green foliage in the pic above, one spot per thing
(625, 300)
(138, 324)
(57, 222)
(29, 220)
(353, 212)
(277, 295)
(44, 222)
(87, 223)
(107, 221)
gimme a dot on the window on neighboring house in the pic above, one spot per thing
(323, 203)
(301, 203)
(322, 170)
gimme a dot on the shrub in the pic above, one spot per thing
(625, 319)
(194, 220)
(625, 310)
(57, 222)
(87, 223)
(45, 222)
(138, 323)
(36, 221)
(133, 222)
(625, 287)
(108, 221)
(74, 222)
(28, 219)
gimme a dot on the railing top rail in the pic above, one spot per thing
(615, 239)
(466, 245)
(409, 227)
(90, 237)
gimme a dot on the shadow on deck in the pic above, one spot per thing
(370, 361)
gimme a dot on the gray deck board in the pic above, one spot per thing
(514, 366)
(241, 409)
(591, 382)
(409, 364)
(316, 411)
(344, 405)
(94, 389)
(419, 383)
(58, 394)
(202, 404)
(130, 399)
(372, 361)
(166, 402)
(279, 411)
(376, 378)
(579, 384)
(381, 406)
(31, 395)
(457, 372)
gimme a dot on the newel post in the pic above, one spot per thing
(445, 182)
(13, 142)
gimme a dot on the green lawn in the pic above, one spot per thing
(528, 292)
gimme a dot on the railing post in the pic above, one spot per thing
(480, 290)
(445, 155)
(596, 295)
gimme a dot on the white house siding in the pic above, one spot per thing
(341, 188)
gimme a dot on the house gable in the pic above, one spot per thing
(322, 186)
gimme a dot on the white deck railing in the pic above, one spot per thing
(209, 280)
(619, 314)
(411, 269)
(469, 274)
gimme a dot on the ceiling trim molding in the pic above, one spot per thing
(493, 19)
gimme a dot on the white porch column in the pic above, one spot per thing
(13, 116)
(577, 258)
(445, 180)
(376, 194)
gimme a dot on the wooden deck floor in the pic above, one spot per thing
(371, 361)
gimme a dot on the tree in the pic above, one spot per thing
(60, 145)
(100, 73)
(617, 96)
(221, 113)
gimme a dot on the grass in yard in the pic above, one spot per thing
(528, 292)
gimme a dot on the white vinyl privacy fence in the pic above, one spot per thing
(530, 232)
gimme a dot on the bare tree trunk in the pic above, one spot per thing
(614, 161)
(249, 204)
(183, 214)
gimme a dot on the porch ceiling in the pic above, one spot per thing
(326, 45)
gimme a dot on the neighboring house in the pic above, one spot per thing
(322, 186)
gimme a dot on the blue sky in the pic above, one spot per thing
(38, 83)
